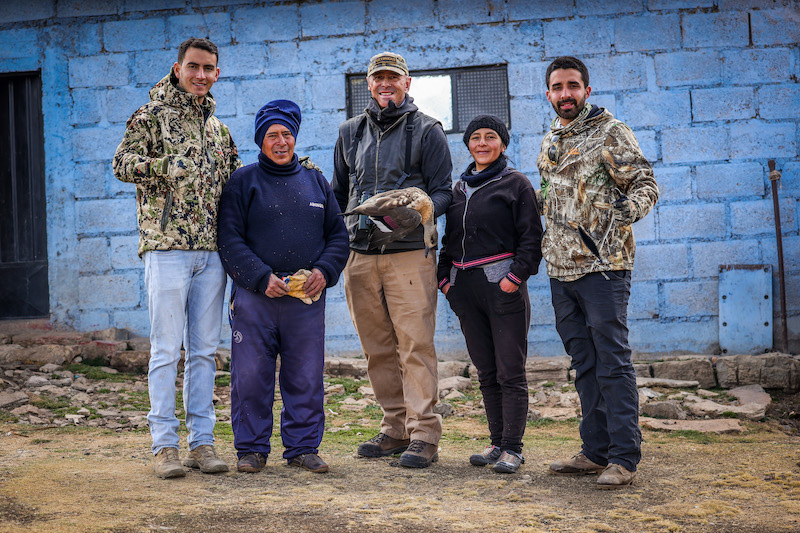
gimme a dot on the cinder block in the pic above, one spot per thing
(646, 33)
(147, 5)
(243, 60)
(19, 43)
(527, 79)
(21, 64)
(673, 108)
(757, 65)
(728, 180)
(213, 26)
(320, 130)
(723, 103)
(674, 69)
(791, 251)
(682, 145)
(96, 144)
(529, 148)
(673, 5)
(674, 184)
(708, 256)
(283, 59)
(224, 93)
(93, 255)
(340, 54)
(326, 92)
(92, 321)
(779, 102)
(577, 37)
(137, 320)
(696, 336)
(757, 139)
(542, 313)
(95, 217)
(790, 179)
(129, 35)
(684, 299)
(661, 262)
(124, 252)
(608, 101)
(89, 180)
(648, 144)
(531, 115)
(122, 102)
(266, 24)
(728, 29)
(643, 303)
(610, 7)
(697, 221)
(764, 24)
(255, 93)
(150, 66)
(86, 8)
(341, 18)
(24, 11)
(99, 71)
(87, 106)
(756, 217)
(451, 13)
(383, 14)
(527, 10)
(746, 5)
(337, 320)
(621, 72)
(107, 291)
(644, 230)
(91, 38)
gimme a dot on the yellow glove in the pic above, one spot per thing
(296, 282)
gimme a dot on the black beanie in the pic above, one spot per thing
(487, 121)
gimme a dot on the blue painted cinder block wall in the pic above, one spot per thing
(709, 86)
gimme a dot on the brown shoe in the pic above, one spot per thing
(311, 462)
(382, 445)
(205, 458)
(419, 454)
(615, 477)
(167, 464)
(578, 465)
(252, 463)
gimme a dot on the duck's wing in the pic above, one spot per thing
(393, 225)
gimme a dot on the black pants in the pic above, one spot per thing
(592, 320)
(495, 326)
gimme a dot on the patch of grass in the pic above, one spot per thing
(8, 417)
(95, 373)
(136, 401)
(103, 391)
(541, 423)
(350, 385)
(54, 404)
(729, 414)
(40, 441)
(223, 381)
(694, 436)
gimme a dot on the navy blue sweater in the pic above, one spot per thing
(279, 219)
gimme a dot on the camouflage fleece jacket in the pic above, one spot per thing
(179, 156)
(597, 160)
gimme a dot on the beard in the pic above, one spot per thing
(572, 112)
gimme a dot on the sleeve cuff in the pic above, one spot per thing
(513, 279)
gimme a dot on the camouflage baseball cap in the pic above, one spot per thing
(387, 61)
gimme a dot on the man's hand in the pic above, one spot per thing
(508, 286)
(625, 211)
(276, 287)
(315, 283)
(308, 163)
(446, 288)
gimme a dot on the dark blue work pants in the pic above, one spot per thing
(262, 328)
(592, 320)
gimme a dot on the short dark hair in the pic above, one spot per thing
(195, 42)
(565, 62)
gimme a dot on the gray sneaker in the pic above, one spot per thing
(205, 458)
(508, 463)
(577, 465)
(488, 456)
(167, 464)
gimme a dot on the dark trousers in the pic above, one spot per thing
(495, 326)
(262, 328)
(592, 320)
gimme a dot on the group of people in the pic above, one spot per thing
(275, 227)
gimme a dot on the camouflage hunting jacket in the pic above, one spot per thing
(596, 160)
(180, 156)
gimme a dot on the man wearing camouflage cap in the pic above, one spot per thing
(391, 290)
(595, 184)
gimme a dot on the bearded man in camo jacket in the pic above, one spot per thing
(595, 184)
(180, 156)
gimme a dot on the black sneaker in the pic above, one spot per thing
(382, 445)
(488, 456)
(508, 463)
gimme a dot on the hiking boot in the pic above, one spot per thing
(382, 445)
(615, 477)
(578, 465)
(167, 464)
(419, 454)
(508, 463)
(251, 462)
(311, 462)
(488, 456)
(205, 458)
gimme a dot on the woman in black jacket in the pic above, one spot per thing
(491, 245)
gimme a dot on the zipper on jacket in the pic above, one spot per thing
(464, 217)
(378, 147)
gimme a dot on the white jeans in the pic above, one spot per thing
(185, 291)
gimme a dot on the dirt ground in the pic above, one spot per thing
(91, 479)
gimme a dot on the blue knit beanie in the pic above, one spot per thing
(283, 112)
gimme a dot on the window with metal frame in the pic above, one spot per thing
(453, 96)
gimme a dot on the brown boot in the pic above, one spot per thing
(167, 464)
(578, 465)
(382, 445)
(205, 458)
(419, 454)
(615, 477)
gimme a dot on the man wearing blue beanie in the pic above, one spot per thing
(282, 241)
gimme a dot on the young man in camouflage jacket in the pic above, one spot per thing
(595, 184)
(180, 156)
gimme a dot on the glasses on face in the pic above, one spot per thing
(552, 152)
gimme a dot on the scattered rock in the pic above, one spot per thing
(667, 409)
(696, 368)
(444, 409)
(346, 367)
(130, 361)
(723, 425)
(454, 395)
(8, 399)
(449, 369)
(667, 383)
(366, 391)
(547, 369)
(454, 383)
(771, 371)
